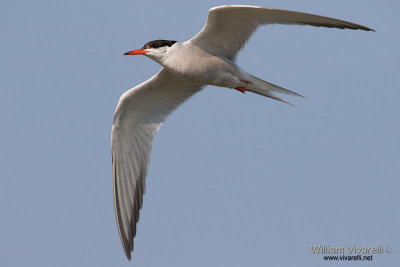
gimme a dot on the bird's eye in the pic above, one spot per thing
(154, 45)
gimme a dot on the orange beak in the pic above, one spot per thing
(136, 52)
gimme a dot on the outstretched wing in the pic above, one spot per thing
(139, 115)
(229, 27)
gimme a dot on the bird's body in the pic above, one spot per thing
(193, 63)
(206, 59)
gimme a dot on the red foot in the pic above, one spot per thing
(241, 89)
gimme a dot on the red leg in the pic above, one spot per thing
(241, 89)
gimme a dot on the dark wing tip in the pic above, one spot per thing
(127, 246)
(127, 237)
(363, 28)
(352, 26)
(128, 255)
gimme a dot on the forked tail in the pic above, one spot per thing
(264, 88)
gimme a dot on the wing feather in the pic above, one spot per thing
(139, 115)
(229, 27)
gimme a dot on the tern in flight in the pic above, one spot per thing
(207, 59)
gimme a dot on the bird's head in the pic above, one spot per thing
(155, 50)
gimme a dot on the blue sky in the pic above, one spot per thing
(235, 180)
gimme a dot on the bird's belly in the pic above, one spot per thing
(212, 76)
(206, 69)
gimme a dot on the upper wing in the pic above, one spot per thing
(139, 115)
(229, 27)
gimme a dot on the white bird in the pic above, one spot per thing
(207, 59)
